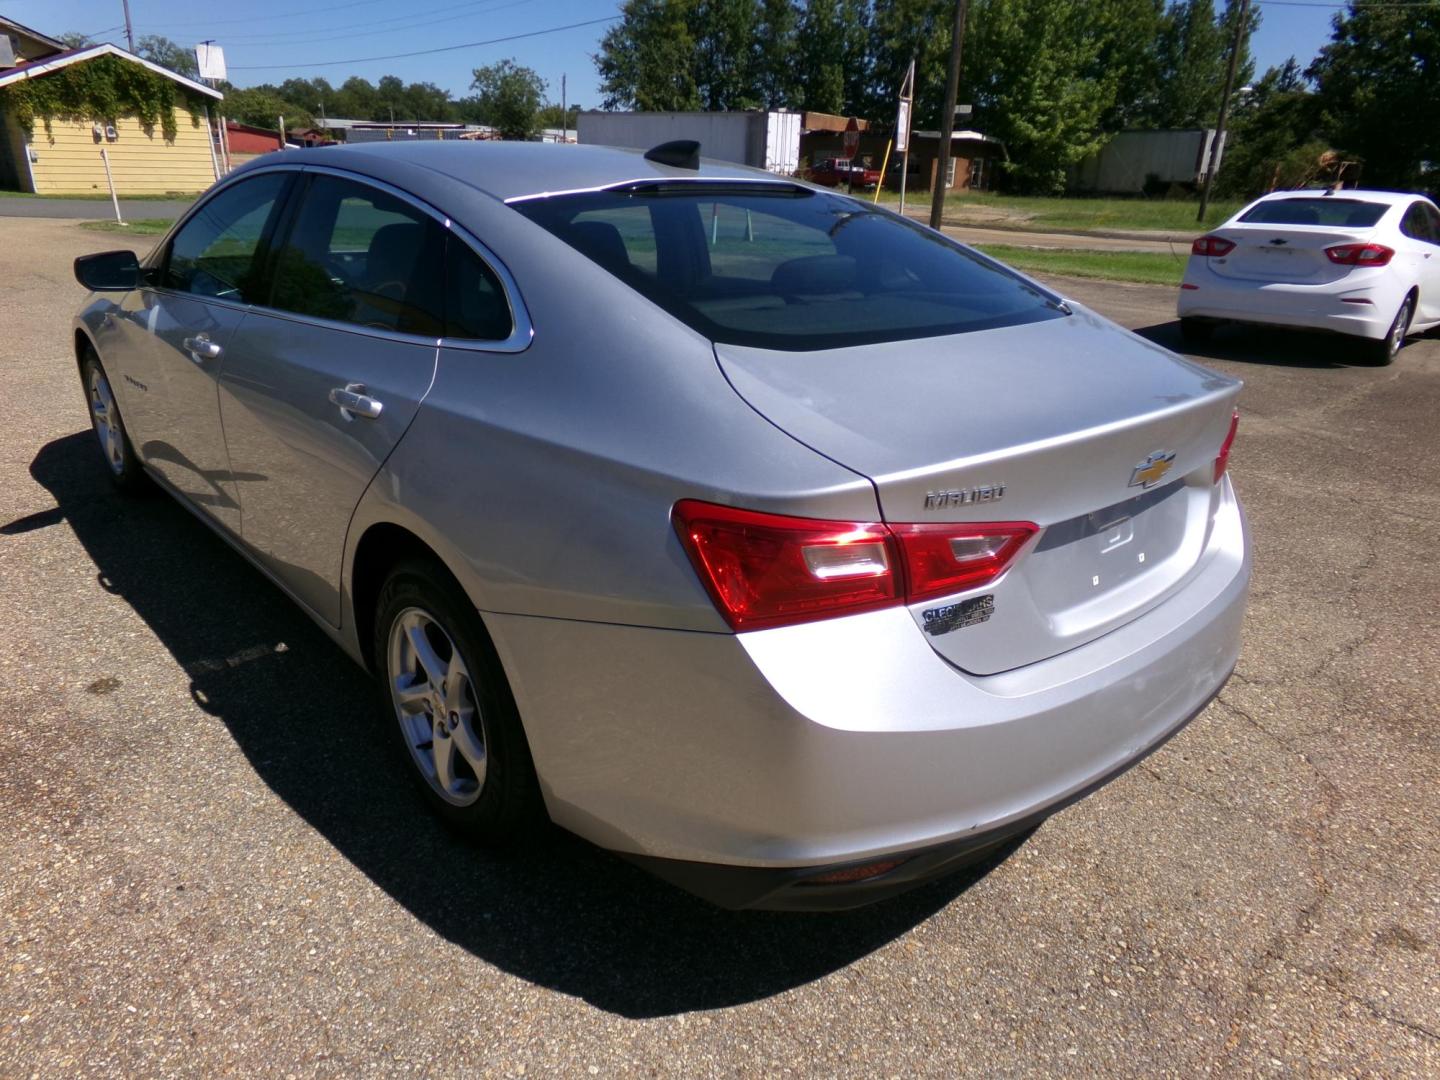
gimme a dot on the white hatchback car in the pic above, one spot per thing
(1362, 263)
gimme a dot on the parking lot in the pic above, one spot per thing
(212, 865)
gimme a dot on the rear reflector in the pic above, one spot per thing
(1222, 461)
(1210, 246)
(766, 570)
(1360, 254)
(853, 873)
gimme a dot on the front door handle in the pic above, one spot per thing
(200, 347)
(353, 401)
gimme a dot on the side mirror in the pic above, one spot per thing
(109, 271)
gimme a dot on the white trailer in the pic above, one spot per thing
(1131, 158)
(764, 140)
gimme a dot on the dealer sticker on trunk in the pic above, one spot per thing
(942, 620)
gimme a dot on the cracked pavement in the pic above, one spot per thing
(211, 865)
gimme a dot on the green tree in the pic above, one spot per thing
(725, 74)
(510, 97)
(1275, 137)
(776, 81)
(73, 39)
(262, 107)
(1193, 51)
(161, 50)
(646, 61)
(1378, 82)
(834, 55)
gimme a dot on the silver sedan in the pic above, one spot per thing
(750, 531)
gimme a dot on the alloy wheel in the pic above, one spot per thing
(106, 418)
(437, 706)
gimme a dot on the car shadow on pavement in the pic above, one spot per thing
(1277, 347)
(563, 915)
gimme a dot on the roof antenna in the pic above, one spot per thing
(681, 153)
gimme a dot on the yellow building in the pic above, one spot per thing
(55, 155)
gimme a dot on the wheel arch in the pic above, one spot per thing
(383, 546)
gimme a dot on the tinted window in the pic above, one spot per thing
(1416, 223)
(360, 255)
(475, 304)
(1317, 210)
(788, 268)
(213, 254)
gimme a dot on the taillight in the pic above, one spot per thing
(1211, 246)
(1360, 254)
(765, 570)
(1222, 460)
(942, 558)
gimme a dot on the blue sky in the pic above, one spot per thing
(291, 37)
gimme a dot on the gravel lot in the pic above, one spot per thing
(212, 867)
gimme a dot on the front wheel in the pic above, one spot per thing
(1384, 351)
(458, 728)
(120, 460)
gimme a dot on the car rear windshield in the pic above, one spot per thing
(1322, 210)
(783, 267)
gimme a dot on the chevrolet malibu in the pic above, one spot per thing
(759, 535)
(1365, 264)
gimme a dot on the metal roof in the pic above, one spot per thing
(38, 68)
(513, 170)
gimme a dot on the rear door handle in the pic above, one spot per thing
(200, 347)
(353, 401)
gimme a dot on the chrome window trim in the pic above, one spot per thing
(522, 329)
(758, 181)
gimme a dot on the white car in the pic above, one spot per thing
(1362, 263)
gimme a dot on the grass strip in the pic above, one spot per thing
(1145, 267)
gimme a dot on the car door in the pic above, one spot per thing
(321, 381)
(1421, 226)
(177, 328)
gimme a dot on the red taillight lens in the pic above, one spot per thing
(765, 570)
(1360, 254)
(1210, 246)
(1222, 460)
(945, 558)
(768, 570)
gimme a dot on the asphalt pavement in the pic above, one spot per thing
(91, 209)
(212, 865)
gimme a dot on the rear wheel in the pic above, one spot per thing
(119, 456)
(1196, 331)
(1385, 350)
(452, 710)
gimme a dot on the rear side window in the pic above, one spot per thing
(213, 254)
(359, 255)
(1417, 225)
(475, 303)
(1319, 210)
(788, 268)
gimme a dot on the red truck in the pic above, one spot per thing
(839, 172)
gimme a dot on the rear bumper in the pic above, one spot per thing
(787, 752)
(1353, 305)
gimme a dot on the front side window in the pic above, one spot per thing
(360, 255)
(214, 253)
(786, 267)
(1316, 210)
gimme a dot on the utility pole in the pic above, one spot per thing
(129, 31)
(947, 119)
(1214, 162)
(564, 114)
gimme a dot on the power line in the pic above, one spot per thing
(306, 37)
(426, 52)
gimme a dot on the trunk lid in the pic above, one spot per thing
(1044, 422)
(1284, 253)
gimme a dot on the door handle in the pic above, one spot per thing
(200, 347)
(353, 401)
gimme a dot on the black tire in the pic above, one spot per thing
(507, 807)
(111, 436)
(1385, 350)
(1196, 331)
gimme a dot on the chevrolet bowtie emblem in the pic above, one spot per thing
(1150, 471)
